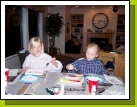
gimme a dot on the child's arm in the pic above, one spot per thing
(25, 69)
(70, 67)
(103, 70)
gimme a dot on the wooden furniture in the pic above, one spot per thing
(77, 21)
(120, 34)
(119, 61)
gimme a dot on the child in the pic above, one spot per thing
(90, 64)
(39, 60)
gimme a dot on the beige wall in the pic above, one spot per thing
(59, 41)
(88, 15)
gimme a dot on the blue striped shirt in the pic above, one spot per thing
(85, 66)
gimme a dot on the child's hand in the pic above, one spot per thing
(70, 67)
(25, 69)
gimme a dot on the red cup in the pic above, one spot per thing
(7, 73)
(91, 83)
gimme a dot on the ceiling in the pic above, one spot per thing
(87, 6)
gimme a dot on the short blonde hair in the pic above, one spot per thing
(93, 46)
(31, 44)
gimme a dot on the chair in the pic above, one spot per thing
(72, 47)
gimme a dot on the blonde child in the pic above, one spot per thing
(90, 64)
(39, 60)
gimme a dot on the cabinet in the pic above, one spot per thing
(77, 27)
(120, 34)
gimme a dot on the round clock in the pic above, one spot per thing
(100, 20)
(15, 20)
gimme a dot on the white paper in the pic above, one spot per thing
(13, 72)
(112, 79)
(114, 90)
(34, 71)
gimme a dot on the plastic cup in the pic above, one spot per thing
(7, 73)
(92, 82)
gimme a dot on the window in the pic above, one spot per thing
(12, 30)
(32, 23)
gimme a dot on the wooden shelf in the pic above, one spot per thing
(77, 27)
(120, 34)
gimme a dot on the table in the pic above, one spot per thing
(48, 81)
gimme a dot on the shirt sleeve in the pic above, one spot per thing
(26, 63)
(71, 71)
(59, 68)
(103, 69)
(75, 64)
(52, 67)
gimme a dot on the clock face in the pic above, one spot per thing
(15, 20)
(100, 20)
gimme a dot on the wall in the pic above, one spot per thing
(59, 41)
(88, 15)
(67, 24)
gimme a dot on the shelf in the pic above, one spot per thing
(120, 34)
(77, 27)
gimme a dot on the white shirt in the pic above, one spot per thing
(39, 63)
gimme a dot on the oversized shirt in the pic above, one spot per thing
(39, 63)
(85, 66)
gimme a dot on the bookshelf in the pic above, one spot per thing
(77, 27)
(120, 34)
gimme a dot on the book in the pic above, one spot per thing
(70, 79)
(34, 72)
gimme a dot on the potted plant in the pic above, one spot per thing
(52, 25)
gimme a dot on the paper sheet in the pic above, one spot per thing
(112, 79)
(13, 72)
(114, 90)
(34, 71)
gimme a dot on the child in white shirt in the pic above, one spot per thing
(39, 60)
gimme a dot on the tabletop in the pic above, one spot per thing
(49, 82)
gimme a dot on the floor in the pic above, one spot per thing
(73, 55)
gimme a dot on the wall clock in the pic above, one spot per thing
(15, 20)
(100, 20)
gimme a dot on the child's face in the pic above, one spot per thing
(37, 48)
(91, 54)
